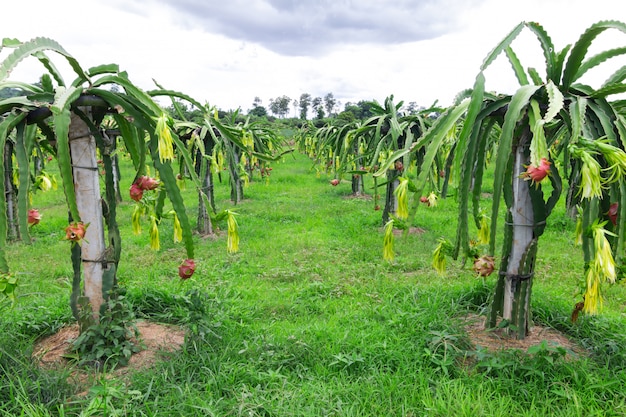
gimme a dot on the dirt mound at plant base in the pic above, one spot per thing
(495, 339)
(155, 338)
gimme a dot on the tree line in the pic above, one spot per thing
(307, 106)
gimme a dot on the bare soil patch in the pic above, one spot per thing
(496, 339)
(411, 231)
(156, 339)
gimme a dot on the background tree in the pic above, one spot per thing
(413, 108)
(258, 111)
(296, 106)
(329, 104)
(257, 108)
(361, 110)
(280, 106)
(305, 102)
(318, 107)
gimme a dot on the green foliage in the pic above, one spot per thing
(195, 310)
(111, 398)
(8, 283)
(361, 110)
(258, 111)
(35, 47)
(322, 328)
(113, 339)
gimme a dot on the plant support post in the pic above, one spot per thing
(513, 291)
(89, 204)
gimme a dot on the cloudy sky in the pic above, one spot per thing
(228, 52)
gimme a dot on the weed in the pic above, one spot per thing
(112, 340)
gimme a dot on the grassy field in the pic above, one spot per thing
(307, 320)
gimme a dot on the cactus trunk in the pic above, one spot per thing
(236, 185)
(13, 232)
(391, 202)
(203, 169)
(358, 188)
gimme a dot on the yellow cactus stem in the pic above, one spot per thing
(178, 230)
(136, 218)
(247, 139)
(603, 261)
(484, 232)
(16, 173)
(538, 145)
(233, 232)
(347, 140)
(214, 165)
(590, 178)
(439, 256)
(388, 241)
(616, 159)
(601, 267)
(164, 135)
(243, 173)
(155, 243)
(220, 160)
(402, 195)
(432, 199)
(592, 295)
(578, 233)
(43, 182)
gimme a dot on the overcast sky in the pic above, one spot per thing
(229, 51)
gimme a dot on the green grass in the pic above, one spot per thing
(307, 320)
